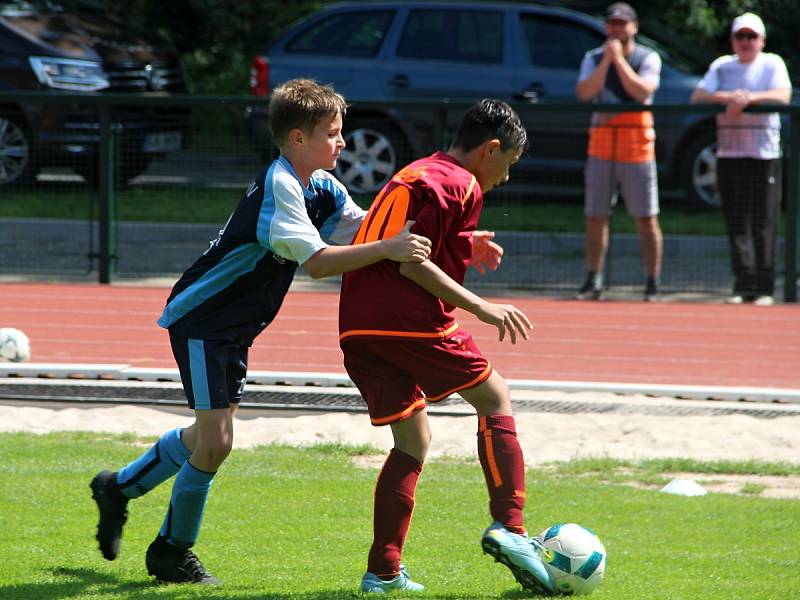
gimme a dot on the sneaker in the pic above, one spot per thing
(651, 290)
(735, 299)
(372, 584)
(521, 554)
(591, 289)
(764, 301)
(112, 505)
(170, 564)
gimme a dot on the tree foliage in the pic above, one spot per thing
(218, 38)
(707, 22)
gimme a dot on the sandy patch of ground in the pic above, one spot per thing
(545, 437)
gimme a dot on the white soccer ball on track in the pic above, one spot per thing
(14, 345)
(574, 557)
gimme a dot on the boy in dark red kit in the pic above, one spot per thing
(403, 349)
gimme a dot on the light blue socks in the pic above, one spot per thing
(189, 493)
(159, 463)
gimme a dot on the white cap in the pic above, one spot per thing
(749, 21)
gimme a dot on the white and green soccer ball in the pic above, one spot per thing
(575, 558)
(14, 345)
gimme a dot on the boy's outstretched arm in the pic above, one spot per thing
(333, 260)
(432, 279)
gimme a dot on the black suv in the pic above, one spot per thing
(391, 51)
(50, 47)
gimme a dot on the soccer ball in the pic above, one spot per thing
(574, 557)
(14, 345)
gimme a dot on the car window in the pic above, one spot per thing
(358, 34)
(557, 43)
(456, 35)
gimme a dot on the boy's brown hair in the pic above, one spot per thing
(490, 119)
(301, 104)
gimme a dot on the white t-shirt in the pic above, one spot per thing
(747, 135)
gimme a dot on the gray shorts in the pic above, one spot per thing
(638, 181)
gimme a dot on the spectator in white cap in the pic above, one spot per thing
(749, 154)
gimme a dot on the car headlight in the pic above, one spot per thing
(69, 74)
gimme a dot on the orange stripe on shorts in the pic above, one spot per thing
(479, 379)
(398, 416)
(402, 334)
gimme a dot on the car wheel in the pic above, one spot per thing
(374, 151)
(699, 170)
(16, 165)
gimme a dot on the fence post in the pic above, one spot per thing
(107, 201)
(792, 209)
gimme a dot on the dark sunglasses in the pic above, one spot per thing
(745, 36)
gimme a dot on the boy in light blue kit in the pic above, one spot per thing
(226, 298)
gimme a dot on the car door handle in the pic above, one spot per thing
(532, 93)
(399, 81)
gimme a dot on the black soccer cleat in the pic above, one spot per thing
(590, 290)
(170, 564)
(112, 504)
(651, 290)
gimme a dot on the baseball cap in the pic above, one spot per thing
(749, 21)
(621, 11)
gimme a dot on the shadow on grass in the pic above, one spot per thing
(74, 583)
(82, 583)
(342, 594)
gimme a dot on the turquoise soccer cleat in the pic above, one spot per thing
(372, 584)
(521, 554)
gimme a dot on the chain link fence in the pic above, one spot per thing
(113, 188)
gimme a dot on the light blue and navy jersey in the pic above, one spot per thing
(235, 288)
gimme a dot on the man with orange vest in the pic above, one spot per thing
(621, 147)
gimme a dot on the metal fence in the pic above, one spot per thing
(121, 188)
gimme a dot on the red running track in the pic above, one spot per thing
(619, 342)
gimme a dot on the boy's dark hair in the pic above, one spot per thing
(301, 104)
(490, 119)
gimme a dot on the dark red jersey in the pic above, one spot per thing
(445, 200)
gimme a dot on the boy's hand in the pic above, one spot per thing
(407, 247)
(505, 317)
(486, 254)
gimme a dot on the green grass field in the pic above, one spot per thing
(295, 523)
(203, 205)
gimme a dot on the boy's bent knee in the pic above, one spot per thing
(209, 455)
(492, 397)
(413, 436)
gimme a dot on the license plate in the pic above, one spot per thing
(162, 142)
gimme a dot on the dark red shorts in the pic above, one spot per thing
(397, 376)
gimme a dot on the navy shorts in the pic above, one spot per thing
(213, 372)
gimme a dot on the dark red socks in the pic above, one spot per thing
(394, 503)
(503, 466)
